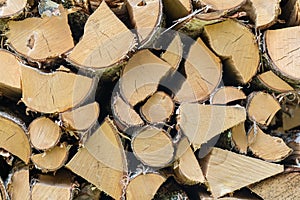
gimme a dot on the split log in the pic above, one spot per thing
(125, 115)
(201, 77)
(19, 184)
(291, 119)
(226, 171)
(153, 147)
(178, 8)
(239, 138)
(54, 92)
(13, 137)
(58, 186)
(158, 108)
(201, 123)
(271, 81)
(141, 76)
(146, 17)
(41, 38)
(102, 160)
(282, 186)
(283, 54)
(144, 186)
(82, 118)
(266, 147)
(187, 169)
(222, 6)
(174, 52)
(44, 133)
(100, 45)
(52, 159)
(9, 8)
(237, 46)
(262, 107)
(10, 81)
(225, 95)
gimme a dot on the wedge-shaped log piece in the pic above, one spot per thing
(292, 119)
(284, 54)
(144, 186)
(187, 168)
(53, 92)
(226, 171)
(106, 40)
(10, 78)
(265, 12)
(102, 160)
(262, 107)
(272, 82)
(282, 186)
(200, 123)
(51, 160)
(44, 133)
(237, 46)
(176, 9)
(125, 115)
(266, 147)
(10, 8)
(174, 51)
(239, 138)
(19, 184)
(226, 95)
(202, 77)
(153, 147)
(13, 137)
(146, 17)
(81, 118)
(158, 108)
(222, 5)
(58, 186)
(141, 76)
(41, 38)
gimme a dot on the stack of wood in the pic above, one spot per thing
(198, 99)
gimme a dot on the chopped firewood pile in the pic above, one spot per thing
(149, 99)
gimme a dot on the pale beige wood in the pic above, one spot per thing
(102, 160)
(283, 49)
(125, 115)
(187, 168)
(200, 123)
(226, 171)
(292, 119)
(236, 44)
(145, 16)
(158, 108)
(226, 95)
(10, 76)
(144, 186)
(13, 138)
(19, 184)
(52, 159)
(266, 12)
(47, 187)
(10, 8)
(271, 81)
(202, 77)
(266, 147)
(239, 138)
(174, 51)
(176, 9)
(41, 38)
(81, 118)
(141, 76)
(53, 92)
(153, 147)
(106, 40)
(262, 107)
(44, 133)
(282, 186)
(222, 5)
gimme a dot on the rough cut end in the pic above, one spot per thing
(226, 95)
(10, 8)
(273, 82)
(222, 5)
